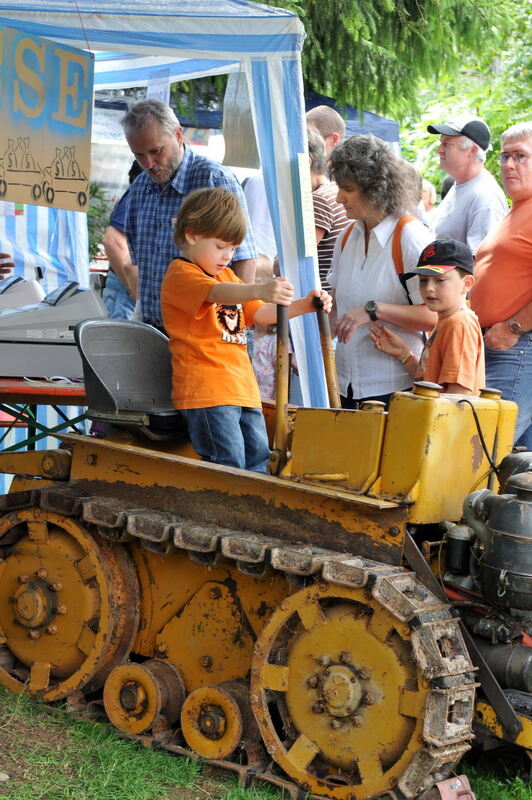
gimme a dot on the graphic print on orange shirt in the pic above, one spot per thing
(231, 321)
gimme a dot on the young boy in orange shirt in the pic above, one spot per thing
(206, 309)
(454, 353)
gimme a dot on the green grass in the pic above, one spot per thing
(499, 777)
(51, 756)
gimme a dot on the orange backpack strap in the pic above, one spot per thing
(397, 253)
(345, 236)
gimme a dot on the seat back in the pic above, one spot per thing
(126, 366)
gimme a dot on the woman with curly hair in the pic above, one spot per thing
(375, 188)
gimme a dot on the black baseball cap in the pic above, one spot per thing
(472, 127)
(443, 255)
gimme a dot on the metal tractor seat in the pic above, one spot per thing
(128, 376)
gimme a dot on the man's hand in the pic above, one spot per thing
(500, 337)
(6, 265)
(279, 291)
(350, 322)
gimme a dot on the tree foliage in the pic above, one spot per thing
(496, 87)
(373, 53)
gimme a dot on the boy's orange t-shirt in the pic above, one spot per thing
(208, 341)
(454, 352)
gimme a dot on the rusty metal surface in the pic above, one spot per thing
(510, 721)
(45, 463)
(358, 710)
(211, 722)
(142, 697)
(239, 500)
(75, 604)
(342, 696)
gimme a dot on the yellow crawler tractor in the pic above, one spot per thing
(301, 628)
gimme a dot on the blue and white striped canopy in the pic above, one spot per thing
(133, 39)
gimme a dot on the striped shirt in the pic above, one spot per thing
(330, 217)
(150, 223)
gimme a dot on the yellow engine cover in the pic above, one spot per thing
(432, 453)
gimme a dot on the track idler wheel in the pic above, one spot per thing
(68, 605)
(139, 697)
(340, 698)
(215, 720)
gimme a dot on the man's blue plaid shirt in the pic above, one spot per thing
(150, 223)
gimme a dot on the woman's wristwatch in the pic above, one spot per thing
(371, 310)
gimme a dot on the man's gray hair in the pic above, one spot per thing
(327, 120)
(141, 113)
(521, 130)
(466, 143)
(316, 151)
(369, 164)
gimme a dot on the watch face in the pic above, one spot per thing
(371, 309)
(516, 328)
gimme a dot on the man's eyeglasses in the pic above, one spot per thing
(517, 158)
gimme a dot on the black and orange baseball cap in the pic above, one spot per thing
(443, 255)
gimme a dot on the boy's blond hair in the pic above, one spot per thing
(213, 213)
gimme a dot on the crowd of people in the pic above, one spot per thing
(415, 290)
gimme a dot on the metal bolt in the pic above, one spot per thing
(394, 530)
(317, 708)
(51, 629)
(162, 648)
(358, 720)
(369, 699)
(24, 578)
(91, 459)
(254, 698)
(215, 593)
(206, 662)
(56, 587)
(364, 673)
(61, 610)
(335, 724)
(346, 657)
(325, 660)
(312, 682)
(34, 634)
(42, 573)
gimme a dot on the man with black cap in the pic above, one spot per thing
(476, 203)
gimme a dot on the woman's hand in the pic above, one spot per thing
(349, 322)
(387, 341)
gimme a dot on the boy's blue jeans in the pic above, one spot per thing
(229, 435)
